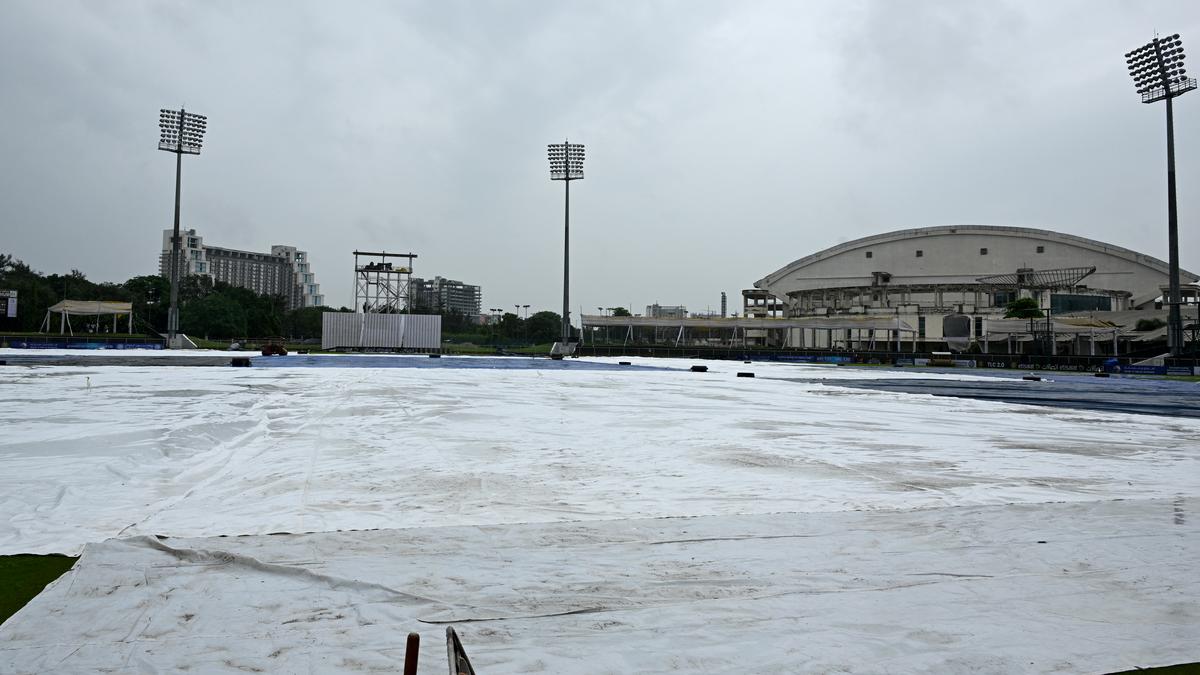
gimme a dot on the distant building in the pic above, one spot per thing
(657, 311)
(284, 271)
(447, 295)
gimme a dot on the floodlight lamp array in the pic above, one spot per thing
(181, 131)
(566, 160)
(1157, 69)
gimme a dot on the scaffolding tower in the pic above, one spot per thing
(382, 286)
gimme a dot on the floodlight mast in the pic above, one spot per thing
(566, 164)
(182, 133)
(1158, 74)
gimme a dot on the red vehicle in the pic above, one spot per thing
(273, 346)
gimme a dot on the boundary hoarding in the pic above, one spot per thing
(400, 332)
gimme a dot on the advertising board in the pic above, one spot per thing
(8, 304)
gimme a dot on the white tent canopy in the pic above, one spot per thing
(68, 308)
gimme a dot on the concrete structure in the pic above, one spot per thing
(447, 295)
(715, 331)
(284, 271)
(950, 281)
(657, 311)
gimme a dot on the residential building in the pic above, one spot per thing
(284, 271)
(306, 292)
(446, 295)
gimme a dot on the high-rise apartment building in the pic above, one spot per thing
(284, 271)
(306, 292)
(446, 295)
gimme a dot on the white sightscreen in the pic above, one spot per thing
(380, 331)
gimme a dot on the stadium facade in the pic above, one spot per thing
(947, 283)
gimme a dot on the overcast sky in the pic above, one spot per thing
(724, 139)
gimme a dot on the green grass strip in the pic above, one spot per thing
(1181, 669)
(23, 576)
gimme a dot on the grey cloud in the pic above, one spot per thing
(724, 139)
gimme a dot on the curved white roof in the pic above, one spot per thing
(956, 255)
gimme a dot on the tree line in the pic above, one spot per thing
(220, 311)
(206, 309)
(508, 328)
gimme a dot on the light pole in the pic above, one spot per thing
(182, 133)
(1158, 73)
(566, 164)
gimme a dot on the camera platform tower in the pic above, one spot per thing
(382, 282)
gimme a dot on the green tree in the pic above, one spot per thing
(207, 309)
(150, 296)
(33, 294)
(76, 286)
(216, 316)
(1022, 308)
(456, 322)
(304, 323)
(545, 327)
(193, 287)
(511, 327)
(620, 311)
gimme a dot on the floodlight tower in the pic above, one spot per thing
(1159, 75)
(566, 164)
(182, 133)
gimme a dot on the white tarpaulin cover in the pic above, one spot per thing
(505, 477)
(1058, 588)
(95, 453)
